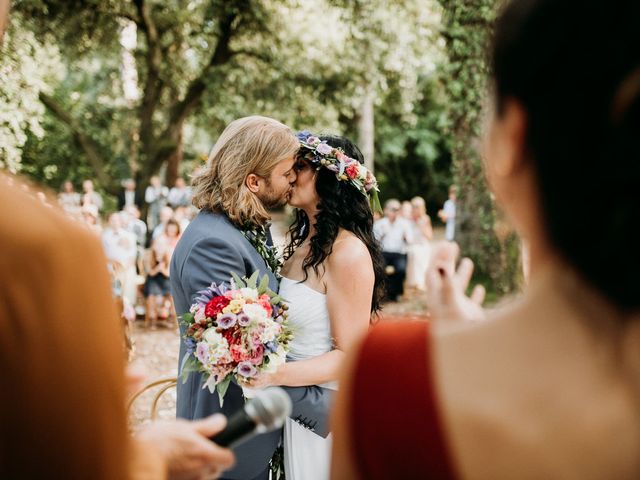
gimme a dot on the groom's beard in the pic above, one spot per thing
(272, 199)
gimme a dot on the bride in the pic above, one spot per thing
(333, 280)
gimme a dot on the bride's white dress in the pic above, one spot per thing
(307, 456)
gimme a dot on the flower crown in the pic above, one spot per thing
(347, 169)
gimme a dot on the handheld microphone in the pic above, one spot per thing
(265, 412)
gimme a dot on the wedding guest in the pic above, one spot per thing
(91, 218)
(62, 407)
(182, 216)
(121, 251)
(405, 210)
(448, 214)
(166, 214)
(419, 252)
(395, 234)
(128, 196)
(69, 199)
(180, 194)
(534, 389)
(156, 197)
(157, 287)
(90, 196)
(73, 392)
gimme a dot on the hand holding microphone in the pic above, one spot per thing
(264, 413)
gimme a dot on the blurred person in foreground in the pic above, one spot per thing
(62, 407)
(537, 389)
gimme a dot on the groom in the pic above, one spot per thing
(250, 169)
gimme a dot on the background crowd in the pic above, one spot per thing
(138, 240)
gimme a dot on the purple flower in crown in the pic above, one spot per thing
(247, 370)
(313, 140)
(243, 319)
(324, 149)
(227, 320)
(303, 135)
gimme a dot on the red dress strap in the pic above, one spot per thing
(395, 424)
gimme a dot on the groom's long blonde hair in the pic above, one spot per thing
(248, 145)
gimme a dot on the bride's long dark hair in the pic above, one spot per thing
(341, 206)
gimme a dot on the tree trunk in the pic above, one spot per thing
(173, 162)
(479, 228)
(366, 128)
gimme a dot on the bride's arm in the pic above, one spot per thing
(349, 280)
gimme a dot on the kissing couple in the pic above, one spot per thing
(332, 276)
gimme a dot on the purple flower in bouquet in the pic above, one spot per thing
(227, 320)
(204, 296)
(202, 353)
(190, 343)
(271, 347)
(243, 319)
(247, 370)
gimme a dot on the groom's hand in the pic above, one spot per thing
(186, 448)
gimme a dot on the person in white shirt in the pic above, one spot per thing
(448, 214)
(90, 196)
(156, 197)
(395, 234)
(121, 251)
(179, 195)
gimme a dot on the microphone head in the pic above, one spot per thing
(269, 408)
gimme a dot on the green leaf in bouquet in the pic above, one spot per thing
(252, 282)
(222, 387)
(189, 364)
(239, 282)
(187, 318)
(264, 285)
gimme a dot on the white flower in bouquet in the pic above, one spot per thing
(270, 331)
(249, 294)
(255, 312)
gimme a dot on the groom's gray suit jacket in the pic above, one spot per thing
(210, 249)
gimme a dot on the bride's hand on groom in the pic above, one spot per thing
(447, 286)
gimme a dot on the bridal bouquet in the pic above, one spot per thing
(235, 332)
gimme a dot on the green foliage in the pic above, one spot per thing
(413, 156)
(467, 29)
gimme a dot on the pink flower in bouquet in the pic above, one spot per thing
(239, 353)
(255, 356)
(265, 302)
(215, 306)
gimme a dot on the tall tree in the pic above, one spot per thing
(480, 230)
(183, 47)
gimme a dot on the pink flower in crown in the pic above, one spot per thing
(341, 156)
(352, 171)
(313, 140)
(323, 149)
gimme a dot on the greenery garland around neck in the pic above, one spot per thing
(257, 236)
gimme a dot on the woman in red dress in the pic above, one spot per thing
(547, 387)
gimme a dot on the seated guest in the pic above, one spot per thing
(538, 388)
(395, 233)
